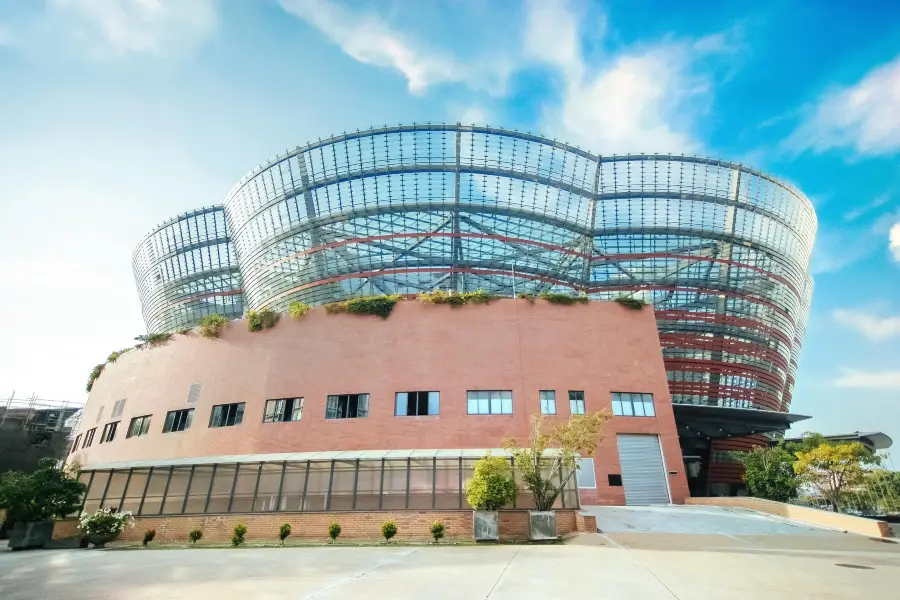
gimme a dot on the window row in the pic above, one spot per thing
(353, 406)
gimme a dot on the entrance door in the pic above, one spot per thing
(643, 472)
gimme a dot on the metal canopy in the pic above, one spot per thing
(704, 423)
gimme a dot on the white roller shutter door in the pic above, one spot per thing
(643, 472)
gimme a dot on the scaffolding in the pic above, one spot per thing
(33, 428)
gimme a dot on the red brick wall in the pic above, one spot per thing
(411, 525)
(600, 347)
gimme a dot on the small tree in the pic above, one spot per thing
(194, 536)
(492, 485)
(835, 468)
(284, 532)
(437, 531)
(578, 437)
(388, 530)
(769, 472)
(334, 530)
(238, 533)
(148, 537)
(41, 495)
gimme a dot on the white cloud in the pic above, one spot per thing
(880, 380)
(151, 26)
(894, 241)
(864, 116)
(367, 38)
(871, 326)
(859, 211)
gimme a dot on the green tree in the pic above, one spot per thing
(39, 496)
(576, 438)
(835, 469)
(492, 485)
(769, 472)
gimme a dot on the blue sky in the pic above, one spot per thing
(118, 114)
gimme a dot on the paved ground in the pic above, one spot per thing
(622, 566)
(693, 520)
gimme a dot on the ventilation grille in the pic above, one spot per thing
(194, 393)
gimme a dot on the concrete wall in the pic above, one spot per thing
(810, 516)
(263, 527)
(600, 347)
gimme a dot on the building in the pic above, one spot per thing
(720, 250)
(34, 428)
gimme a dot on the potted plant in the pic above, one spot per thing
(550, 460)
(491, 488)
(105, 525)
(32, 500)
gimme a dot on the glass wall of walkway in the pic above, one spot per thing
(351, 481)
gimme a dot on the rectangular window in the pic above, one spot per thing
(416, 404)
(109, 432)
(193, 393)
(585, 474)
(75, 445)
(89, 437)
(283, 409)
(576, 402)
(178, 420)
(139, 426)
(548, 402)
(118, 407)
(489, 402)
(633, 405)
(347, 406)
(227, 415)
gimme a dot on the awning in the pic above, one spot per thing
(703, 422)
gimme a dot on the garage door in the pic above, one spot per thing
(643, 473)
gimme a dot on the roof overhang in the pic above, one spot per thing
(705, 422)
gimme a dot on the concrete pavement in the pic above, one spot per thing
(592, 566)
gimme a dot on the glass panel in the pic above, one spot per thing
(468, 471)
(447, 484)
(421, 478)
(98, 485)
(400, 404)
(135, 490)
(269, 481)
(153, 499)
(484, 403)
(145, 425)
(116, 489)
(638, 408)
(506, 408)
(244, 488)
(317, 489)
(177, 487)
(298, 409)
(331, 408)
(617, 407)
(496, 408)
(394, 484)
(368, 485)
(239, 417)
(524, 497)
(188, 418)
(585, 476)
(342, 485)
(292, 489)
(434, 399)
(362, 409)
(269, 416)
(200, 488)
(170, 418)
(221, 488)
(472, 404)
(649, 410)
(626, 408)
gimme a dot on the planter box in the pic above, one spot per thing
(486, 526)
(99, 541)
(542, 525)
(30, 535)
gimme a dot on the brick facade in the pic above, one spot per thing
(356, 525)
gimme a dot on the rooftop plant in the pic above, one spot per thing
(95, 373)
(557, 298)
(456, 298)
(264, 318)
(381, 306)
(298, 309)
(630, 302)
(114, 356)
(211, 325)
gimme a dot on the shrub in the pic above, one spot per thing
(388, 530)
(298, 309)
(155, 339)
(283, 532)
(381, 306)
(264, 318)
(334, 530)
(194, 536)
(95, 373)
(114, 356)
(238, 533)
(211, 325)
(492, 485)
(106, 521)
(632, 303)
(254, 321)
(456, 299)
(437, 531)
(530, 297)
(148, 537)
(567, 299)
(40, 495)
(185, 331)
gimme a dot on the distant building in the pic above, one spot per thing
(32, 428)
